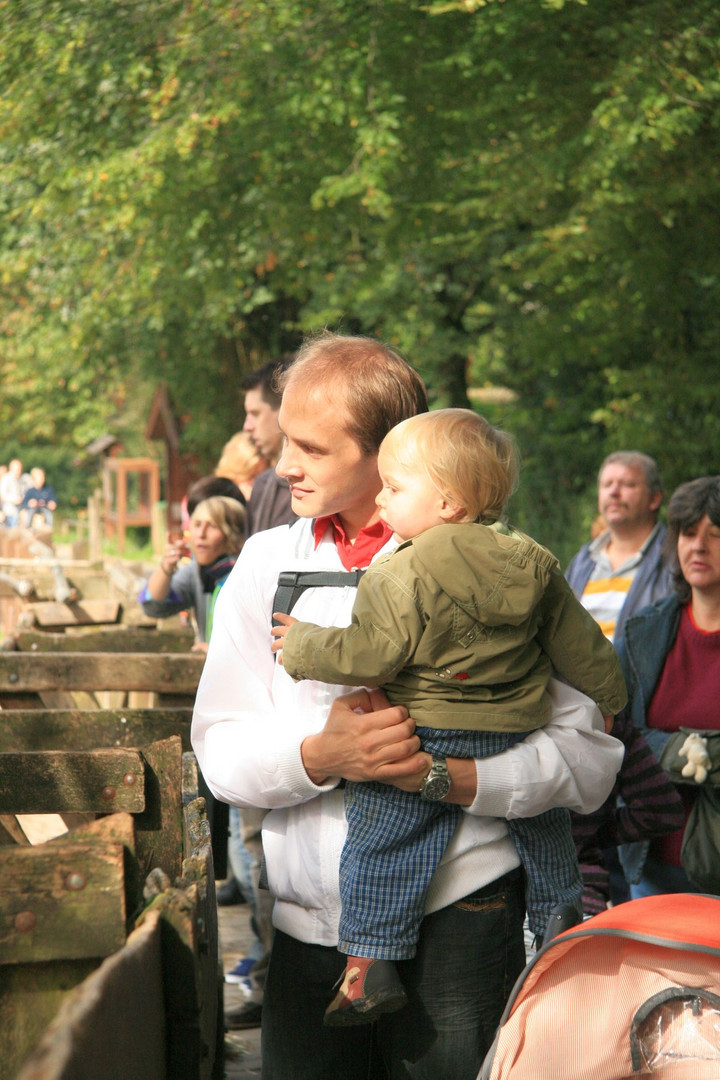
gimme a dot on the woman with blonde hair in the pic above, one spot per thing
(215, 537)
(241, 462)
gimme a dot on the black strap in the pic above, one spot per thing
(293, 583)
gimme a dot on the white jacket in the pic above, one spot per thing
(250, 720)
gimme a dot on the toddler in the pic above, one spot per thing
(464, 623)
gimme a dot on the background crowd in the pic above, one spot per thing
(26, 498)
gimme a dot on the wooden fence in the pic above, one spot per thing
(109, 958)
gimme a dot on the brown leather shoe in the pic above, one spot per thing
(369, 988)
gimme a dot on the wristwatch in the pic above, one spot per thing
(436, 784)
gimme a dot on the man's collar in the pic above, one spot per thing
(360, 553)
(601, 542)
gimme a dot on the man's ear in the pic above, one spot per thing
(655, 500)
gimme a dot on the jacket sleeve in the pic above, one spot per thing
(650, 805)
(570, 762)
(181, 597)
(578, 649)
(652, 638)
(644, 802)
(586, 830)
(385, 630)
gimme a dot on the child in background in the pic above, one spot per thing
(463, 624)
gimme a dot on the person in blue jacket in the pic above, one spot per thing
(40, 498)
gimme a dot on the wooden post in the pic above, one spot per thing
(125, 511)
(121, 506)
(158, 528)
(95, 527)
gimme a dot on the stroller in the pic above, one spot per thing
(633, 992)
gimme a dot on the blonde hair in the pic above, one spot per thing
(227, 515)
(470, 462)
(240, 460)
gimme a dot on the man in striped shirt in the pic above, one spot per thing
(615, 575)
(623, 569)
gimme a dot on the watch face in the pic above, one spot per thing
(435, 787)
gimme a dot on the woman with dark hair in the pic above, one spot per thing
(216, 534)
(670, 654)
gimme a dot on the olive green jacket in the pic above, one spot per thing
(464, 625)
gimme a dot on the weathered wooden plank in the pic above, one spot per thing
(111, 699)
(158, 830)
(88, 729)
(57, 781)
(19, 701)
(198, 868)
(115, 828)
(68, 699)
(30, 996)
(74, 613)
(190, 956)
(190, 778)
(11, 586)
(174, 701)
(10, 831)
(111, 1026)
(113, 639)
(119, 829)
(178, 990)
(125, 579)
(218, 813)
(61, 901)
(23, 672)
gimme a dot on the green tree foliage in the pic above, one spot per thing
(520, 192)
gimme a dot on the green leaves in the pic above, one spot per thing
(519, 193)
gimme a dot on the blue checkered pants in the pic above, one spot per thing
(396, 840)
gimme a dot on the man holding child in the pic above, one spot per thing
(264, 740)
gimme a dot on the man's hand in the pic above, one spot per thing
(366, 738)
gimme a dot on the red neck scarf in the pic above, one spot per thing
(360, 553)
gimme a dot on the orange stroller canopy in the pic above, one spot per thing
(631, 993)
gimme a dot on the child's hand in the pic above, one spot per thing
(279, 632)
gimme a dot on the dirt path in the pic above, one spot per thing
(242, 1048)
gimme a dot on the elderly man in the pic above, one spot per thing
(263, 740)
(623, 569)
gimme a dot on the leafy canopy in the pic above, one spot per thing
(522, 193)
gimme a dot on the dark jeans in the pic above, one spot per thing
(658, 878)
(469, 956)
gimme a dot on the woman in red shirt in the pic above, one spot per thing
(670, 654)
